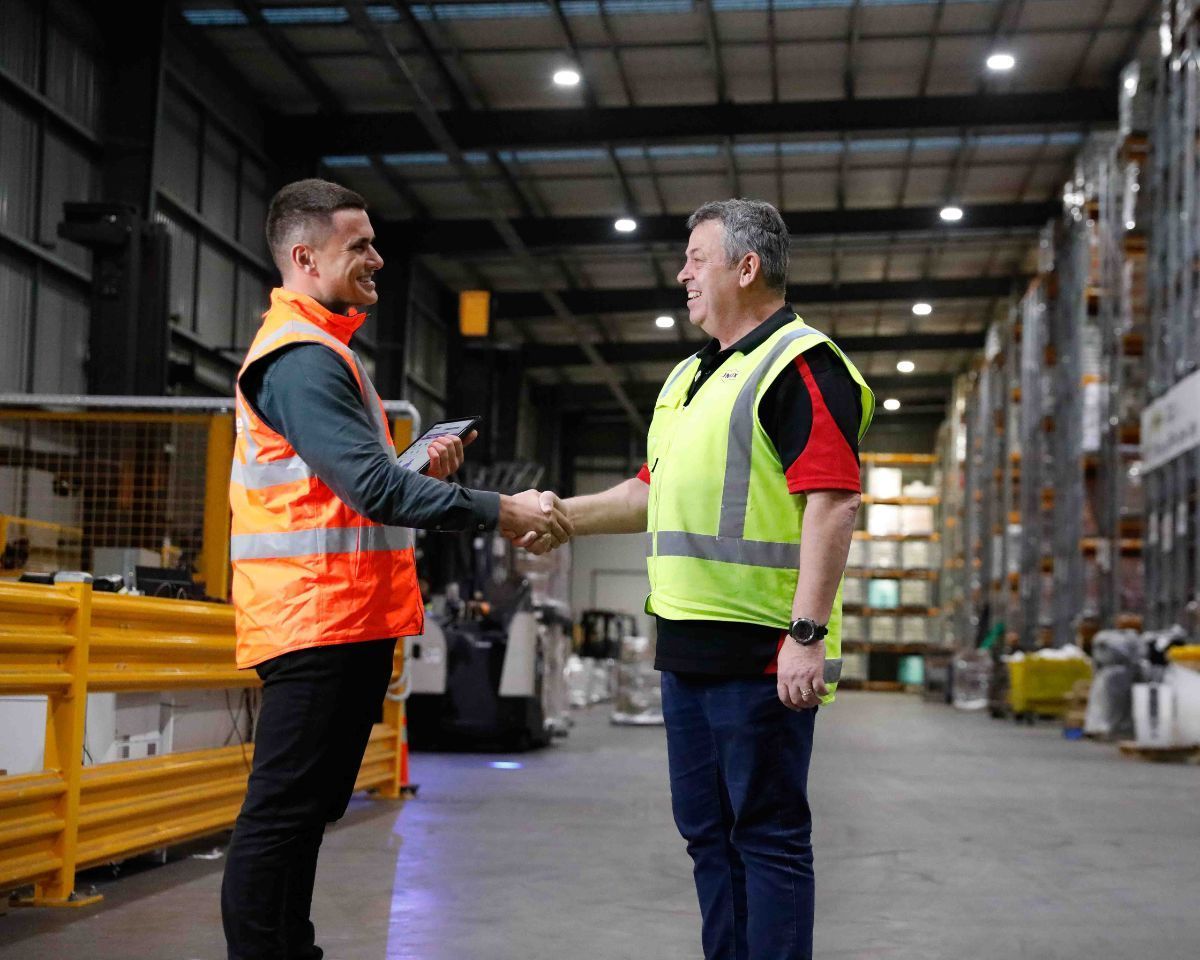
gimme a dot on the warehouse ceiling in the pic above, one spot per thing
(862, 120)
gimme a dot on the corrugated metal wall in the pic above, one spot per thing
(212, 180)
(49, 111)
(212, 190)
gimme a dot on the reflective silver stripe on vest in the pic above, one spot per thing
(322, 540)
(741, 440)
(676, 375)
(374, 404)
(370, 396)
(833, 670)
(259, 476)
(750, 553)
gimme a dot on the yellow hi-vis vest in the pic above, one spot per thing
(724, 529)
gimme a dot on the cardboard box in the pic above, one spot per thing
(852, 627)
(914, 629)
(883, 519)
(852, 590)
(883, 482)
(854, 666)
(883, 553)
(858, 553)
(919, 555)
(914, 519)
(883, 629)
(916, 593)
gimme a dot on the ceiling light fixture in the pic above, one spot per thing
(951, 214)
(891, 403)
(906, 366)
(566, 78)
(625, 225)
(922, 309)
(1001, 62)
(664, 322)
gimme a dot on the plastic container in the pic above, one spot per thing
(1153, 714)
(912, 671)
(1186, 686)
(972, 679)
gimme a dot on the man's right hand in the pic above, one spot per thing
(524, 518)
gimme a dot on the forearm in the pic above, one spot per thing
(824, 545)
(310, 396)
(619, 509)
(385, 492)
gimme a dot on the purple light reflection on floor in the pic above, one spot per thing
(411, 906)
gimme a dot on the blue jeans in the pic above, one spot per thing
(739, 791)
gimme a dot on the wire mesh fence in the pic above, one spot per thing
(106, 490)
(108, 484)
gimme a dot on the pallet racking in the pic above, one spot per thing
(1172, 346)
(889, 600)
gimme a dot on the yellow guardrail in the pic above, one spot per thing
(64, 641)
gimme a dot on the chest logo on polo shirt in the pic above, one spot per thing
(731, 375)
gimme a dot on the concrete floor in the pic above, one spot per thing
(939, 836)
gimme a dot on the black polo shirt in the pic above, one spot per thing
(811, 413)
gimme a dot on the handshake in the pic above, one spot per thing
(535, 520)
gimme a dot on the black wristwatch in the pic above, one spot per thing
(807, 632)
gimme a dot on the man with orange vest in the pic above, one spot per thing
(324, 579)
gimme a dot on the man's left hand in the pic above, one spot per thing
(446, 454)
(801, 678)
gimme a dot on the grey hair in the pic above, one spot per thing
(751, 226)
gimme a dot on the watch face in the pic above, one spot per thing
(803, 629)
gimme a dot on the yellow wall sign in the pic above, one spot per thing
(474, 312)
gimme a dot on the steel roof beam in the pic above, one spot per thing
(531, 305)
(916, 388)
(401, 132)
(665, 351)
(453, 237)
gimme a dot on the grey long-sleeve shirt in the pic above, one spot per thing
(308, 394)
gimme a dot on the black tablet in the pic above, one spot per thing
(416, 454)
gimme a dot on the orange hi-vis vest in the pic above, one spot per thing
(308, 570)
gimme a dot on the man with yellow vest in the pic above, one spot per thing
(324, 580)
(749, 495)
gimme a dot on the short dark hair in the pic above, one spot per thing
(751, 226)
(301, 208)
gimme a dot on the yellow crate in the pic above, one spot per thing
(1041, 685)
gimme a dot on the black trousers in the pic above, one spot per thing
(318, 707)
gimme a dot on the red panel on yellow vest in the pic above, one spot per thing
(474, 312)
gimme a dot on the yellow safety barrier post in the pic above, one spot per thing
(43, 649)
(213, 565)
(395, 716)
(396, 722)
(65, 714)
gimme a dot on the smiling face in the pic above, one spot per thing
(714, 289)
(338, 270)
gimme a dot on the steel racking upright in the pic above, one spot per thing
(1173, 340)
(1035, 421)
(1006, 523)
(975, 526)
(1035, 308)
(1073, 343)
(952, 481)
(1121, 218)
(983, 511)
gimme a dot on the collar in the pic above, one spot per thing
(342, 327)
(753, 340)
